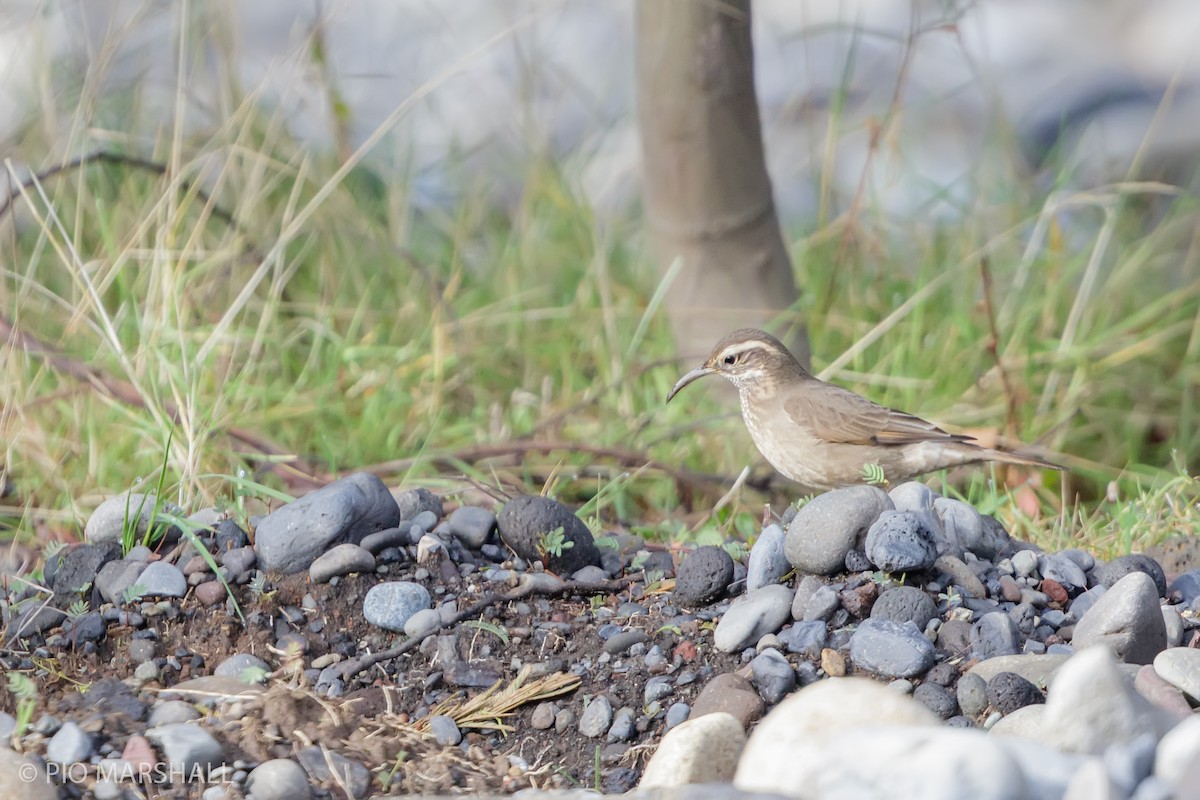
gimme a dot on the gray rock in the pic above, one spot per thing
(596, 718)
(821, 605)
(622, 728)
(830, 525)
(657, 688)
(1037, 669)
(1160, 692)
(1025, 563)
(677, 714)
(891, 649)
(291, 537)
(751, 616)
(445, 730)
(1091, 707)
(389, 605)
(116, 577)
(1108, 574)
(905, 604)
(69, 745)
(995, 635)
(89, 627)
(624, 640)
(1173, 623)
(768, 562)
(245, 667)
(167, 712)
(1187, 586)
(704, 750)
(1008, 691)
(1127, 620)
(938, 699)
(805, 639)
(76, 568)
(919, 499)
(1177, 760)
(24, 777)
(186, 747)
(342, 559)
(278, 779)
(107, 522)
(971, 693)
(423, 622)
(35, 618)
(375, 543)
(960, 575)
(704, 576)
(1058, 567)
(1047, 771)
(239, 560)
(590, 574)
(772, 676)
(899, 541)
(321, 764)
(1080, 605)
(962, 526)
(412, 502)
(472, 525)
(526, 521)
(161, 579)
(1180, 667)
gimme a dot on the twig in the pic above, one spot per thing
(354, 666)
(993, 347)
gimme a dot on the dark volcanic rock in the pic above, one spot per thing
(703, 577)
(1008, 691)
(78, 568)
(524, 523)
(1108, 574)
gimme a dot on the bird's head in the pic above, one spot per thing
(747, 358)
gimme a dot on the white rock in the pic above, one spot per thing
(1091, 782)
(786, 752)
(1180, 667)
(701, 750)
(1177, 760)
(1025, 722)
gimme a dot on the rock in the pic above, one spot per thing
(187, 748)
(278, 779)
(622, 728)
(918, 499)
(790, 747)
(422, 623)
(900, 541)
(1027, 722)
(542, 718)
(971, 693)
(960, 575)
(1126, 620)
(1186, 587)
(116, 577)
(245, 667)
(1024, 563)
(342, 559)
(160, 579)
(891, 649)
(1173, 623)
(751, 616)
(471, 525)
(1008, 691)
(107, 522)
(1180, 667)
(1058, 567)
(995, 635)
(290, 538)
(1047, 771)
(1090, 707)
(89, 627)
(321, 763)
(768, 562)
(860, 600)
(1108, 574)
(167, 712)
(78, 567)
(731, 694)
(624, 640)
(699, 751)
(210, 593)
(389, 605)
(1162, 694)
(938, 699)
(677, 714)
(69, 745)
(1177, 760)
(830, 525)
(962, 527)
(596, 718)
(445, 730)
(820, 605)
(772, 676)
(704, 576)
(24, 777)
(376, 543)
(1037, 669)
(806, 639)
(527, 523)
(902, 604)
(412, 502)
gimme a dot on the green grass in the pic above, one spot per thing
(307, 302)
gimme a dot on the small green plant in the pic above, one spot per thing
(873, 475)
(133, 594)
(77, 609)
(553, 543)
(490, 627)
(25, 692)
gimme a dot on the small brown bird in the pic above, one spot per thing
(821, 435)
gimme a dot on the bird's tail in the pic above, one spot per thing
(1022, 457)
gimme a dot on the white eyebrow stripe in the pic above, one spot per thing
(744, 347)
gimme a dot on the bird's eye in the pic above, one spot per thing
(731, 360)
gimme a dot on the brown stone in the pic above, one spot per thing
(732, 694)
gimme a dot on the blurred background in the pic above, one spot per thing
(275, 241)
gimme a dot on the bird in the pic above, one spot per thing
(825, 437)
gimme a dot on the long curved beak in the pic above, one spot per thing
(695, 374)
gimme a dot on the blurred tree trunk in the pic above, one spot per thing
(707, 194)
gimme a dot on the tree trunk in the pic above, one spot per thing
(707, 194)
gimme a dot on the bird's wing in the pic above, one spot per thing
(838, 415)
